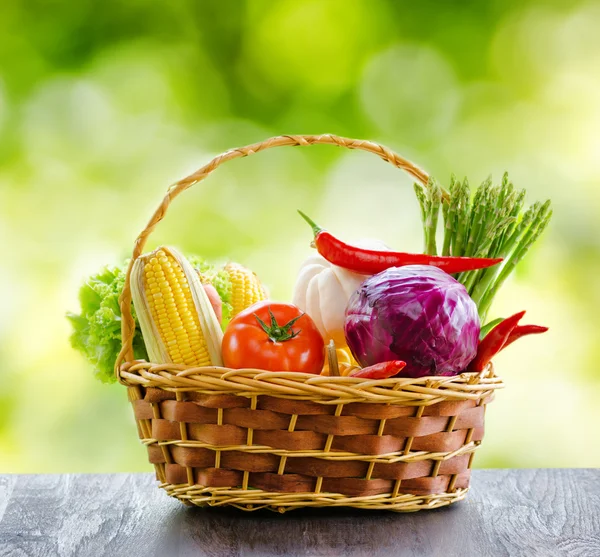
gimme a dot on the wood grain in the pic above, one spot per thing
(510, 513)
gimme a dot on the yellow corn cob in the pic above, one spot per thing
(177, 321)
(246, 288)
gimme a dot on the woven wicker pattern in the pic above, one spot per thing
(280, 440)
(255, 439)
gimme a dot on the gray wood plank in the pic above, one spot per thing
(7, 483)
(513, 513)
(65, 515)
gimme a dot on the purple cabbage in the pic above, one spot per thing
(416, 313)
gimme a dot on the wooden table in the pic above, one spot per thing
(508, 512)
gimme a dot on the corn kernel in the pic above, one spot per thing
(167, 297)
(246, 288)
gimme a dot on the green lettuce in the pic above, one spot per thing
(96, 330)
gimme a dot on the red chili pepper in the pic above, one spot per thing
(382, 370)
(371, 262)
(524, 330)
(494, 341)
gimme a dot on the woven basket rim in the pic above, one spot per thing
(319, 388)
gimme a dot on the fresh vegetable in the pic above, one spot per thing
(97, 329)
(246, 288)
(218, 279)
(500, 336)
(494, 341)
(382, 370)
(274, 337)
(322, 290)
(177, 320)
(344, 360)
(518, 332)
(418, 314)
(215, 301)
(493, 226)
(523, 330)
(370, 262)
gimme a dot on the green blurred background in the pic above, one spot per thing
(103, 105)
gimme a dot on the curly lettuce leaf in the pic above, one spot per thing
(97, 329)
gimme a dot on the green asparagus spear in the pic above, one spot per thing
(462, 220)
(449, 210)
(493, 224)
(540, 221)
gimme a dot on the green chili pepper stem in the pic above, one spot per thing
(315, 227)
(489, 326)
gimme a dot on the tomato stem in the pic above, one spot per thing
(276, 332)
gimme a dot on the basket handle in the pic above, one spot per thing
(127, 322)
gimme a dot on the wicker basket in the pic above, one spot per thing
(256, 439)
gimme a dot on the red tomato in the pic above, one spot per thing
(274, 337)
